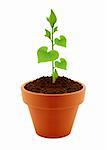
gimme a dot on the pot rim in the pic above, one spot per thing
(43, 94)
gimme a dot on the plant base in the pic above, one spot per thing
(53, 123)
(61, 85)
(53, 114)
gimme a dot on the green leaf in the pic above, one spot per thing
(48, 34)
(55, 29)
(55, 75)
(61, 41)
(45, 56)
(62, 64)
(52, 18)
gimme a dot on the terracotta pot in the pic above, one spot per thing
(53, 114)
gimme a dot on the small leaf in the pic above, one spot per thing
(52, 18)
(44, 56)
(53, 55)
(48, 34)
(61, 41)
(55, 75)
(55, 29)
(62, 64)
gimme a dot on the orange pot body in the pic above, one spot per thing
(53, 114)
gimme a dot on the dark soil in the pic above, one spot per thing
(45, 85)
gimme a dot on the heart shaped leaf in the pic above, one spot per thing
(44, 56)
(55, 75)
(52, 18)
(62, 64)
(61, 41)
(48, 34)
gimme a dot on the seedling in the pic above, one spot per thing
(45, 55)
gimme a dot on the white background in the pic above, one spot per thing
(22, 24)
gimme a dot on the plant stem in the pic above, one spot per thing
(53, 80)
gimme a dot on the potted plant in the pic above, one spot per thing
(53, 101)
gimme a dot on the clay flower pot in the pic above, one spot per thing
(53, 114)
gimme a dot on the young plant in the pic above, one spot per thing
(45, 55)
